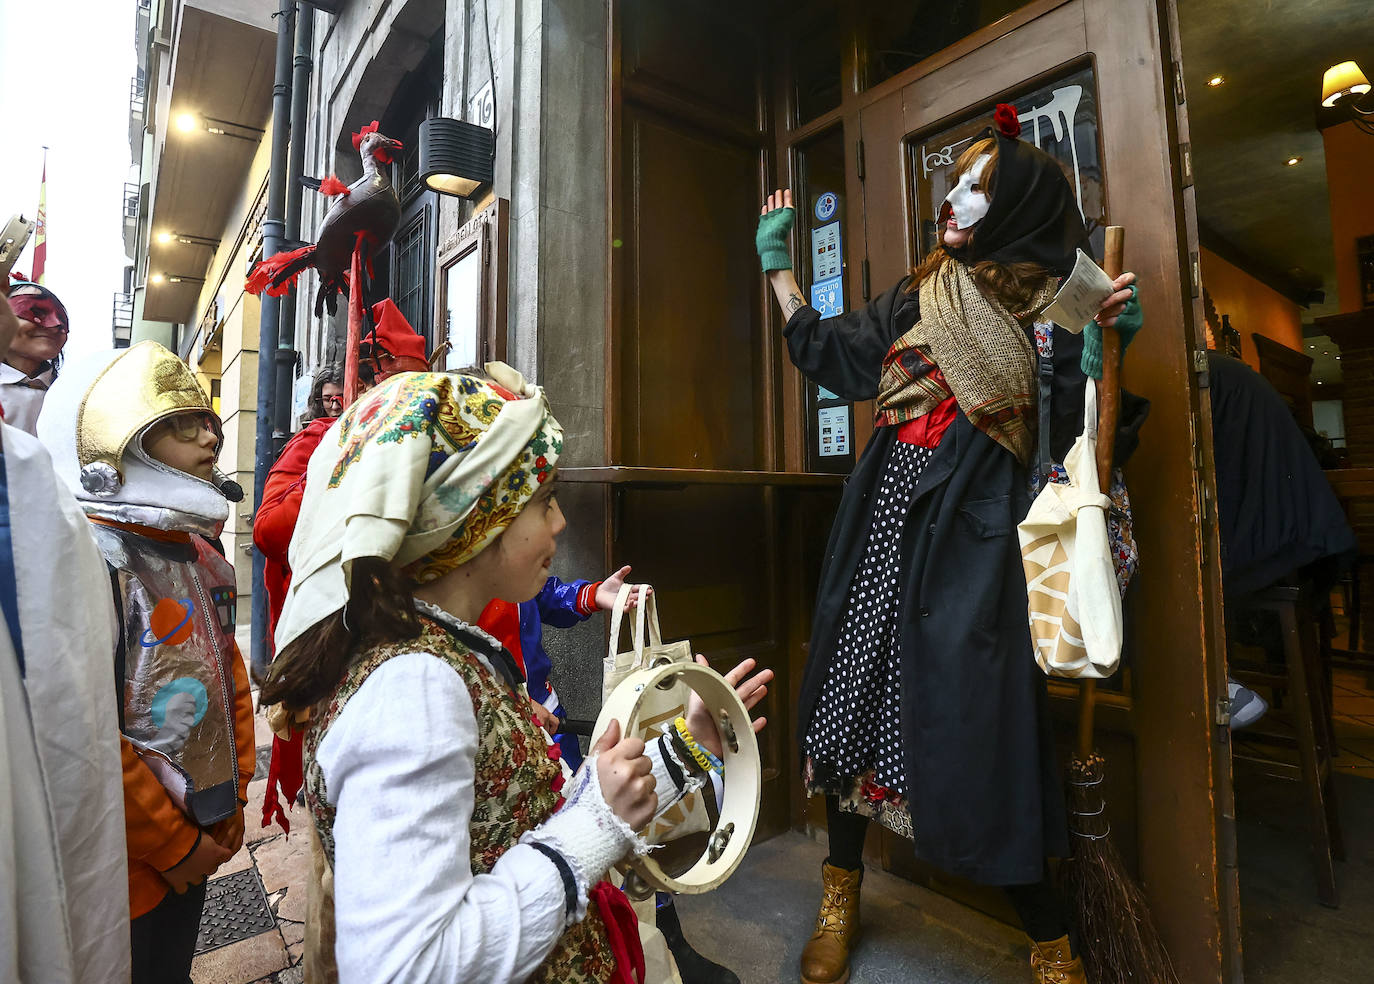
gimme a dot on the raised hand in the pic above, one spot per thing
(606, 593)
(775, 222)
(749, 687)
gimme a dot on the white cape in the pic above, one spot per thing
(64, 889)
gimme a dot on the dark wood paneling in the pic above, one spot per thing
(711, 554)
(694, 50)
(691, 337)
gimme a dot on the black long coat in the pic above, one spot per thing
(984, 792)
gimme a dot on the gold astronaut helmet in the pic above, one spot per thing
(144, 384)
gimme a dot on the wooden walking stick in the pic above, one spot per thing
(1116, 931)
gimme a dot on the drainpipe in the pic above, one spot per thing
(286, 336)
(272, 242)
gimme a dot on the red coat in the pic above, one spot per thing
(275, 519)
(273, 524)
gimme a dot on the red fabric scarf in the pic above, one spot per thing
(622, 927)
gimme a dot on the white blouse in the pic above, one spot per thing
(398, 764)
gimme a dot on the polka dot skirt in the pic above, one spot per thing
(856, 727)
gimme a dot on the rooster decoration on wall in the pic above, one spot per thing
(359, 223)
(363, 216)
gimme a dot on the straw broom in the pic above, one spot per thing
(1116, 930)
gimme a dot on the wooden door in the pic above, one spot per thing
(1093, 82)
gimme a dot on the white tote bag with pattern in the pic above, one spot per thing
(1071, 589)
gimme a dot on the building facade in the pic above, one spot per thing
(612, 261)
(199, 137)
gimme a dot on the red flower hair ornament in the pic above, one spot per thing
(1005, 119)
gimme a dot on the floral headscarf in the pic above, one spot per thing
(426, 470)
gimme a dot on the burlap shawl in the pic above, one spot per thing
(983, 352)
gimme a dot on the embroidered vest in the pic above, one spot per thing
(513, 785)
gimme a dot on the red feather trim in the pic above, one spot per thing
(333, 186)
(278, 273)
(16, 275)
(358, 137)
(1005, 119)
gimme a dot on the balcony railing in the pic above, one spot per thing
(137, 88)
(122, 319)
(130, 201)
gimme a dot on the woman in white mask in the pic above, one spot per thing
(921, 706)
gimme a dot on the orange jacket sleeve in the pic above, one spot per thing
(244, 734)
(158, 833)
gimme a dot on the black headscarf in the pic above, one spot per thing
(1033, 216)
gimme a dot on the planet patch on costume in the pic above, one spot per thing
(184, 698)
(169, 624)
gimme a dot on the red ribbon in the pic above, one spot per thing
(622, 929)
(285, 772)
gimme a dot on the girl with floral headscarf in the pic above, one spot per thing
(459, 847)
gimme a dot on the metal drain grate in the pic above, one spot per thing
(235, 909)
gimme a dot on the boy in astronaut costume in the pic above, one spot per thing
(135, 438)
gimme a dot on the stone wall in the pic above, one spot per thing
(550, 89)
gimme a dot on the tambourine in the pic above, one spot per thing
(739, 811)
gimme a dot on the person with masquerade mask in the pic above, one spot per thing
(921, 705)
(35, 355)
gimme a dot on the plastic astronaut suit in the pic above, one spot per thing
(176, 598)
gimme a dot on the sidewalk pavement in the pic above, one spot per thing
(254, 921)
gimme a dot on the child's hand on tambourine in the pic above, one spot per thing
(624, 773)
(749, 687)
(608, 590)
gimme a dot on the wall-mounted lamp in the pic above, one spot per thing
(190, 122)
(1342, 87)
(159, 278)
(185, 239)
(456, 158)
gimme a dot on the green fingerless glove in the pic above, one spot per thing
(771, 239)
(1128, 322)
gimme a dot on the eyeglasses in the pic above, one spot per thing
(332, 401)
(188, 425)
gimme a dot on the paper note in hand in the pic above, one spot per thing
(1081, 296)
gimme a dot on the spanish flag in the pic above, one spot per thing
(40, 234)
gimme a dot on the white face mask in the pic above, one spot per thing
(970, 206)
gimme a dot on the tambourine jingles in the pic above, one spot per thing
(739, 811)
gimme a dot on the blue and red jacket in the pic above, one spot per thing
(520, 628)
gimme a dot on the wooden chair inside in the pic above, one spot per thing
(1301, 723)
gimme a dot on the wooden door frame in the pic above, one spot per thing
(489, 232)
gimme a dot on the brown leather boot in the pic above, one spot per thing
(825, 958)
(1053, 963)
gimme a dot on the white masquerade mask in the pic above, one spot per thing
(970, 206)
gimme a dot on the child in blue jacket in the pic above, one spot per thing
(520, 628)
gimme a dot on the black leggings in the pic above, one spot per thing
(1039, 905)
(164, 939)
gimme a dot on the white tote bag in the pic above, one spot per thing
(1071, 587)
